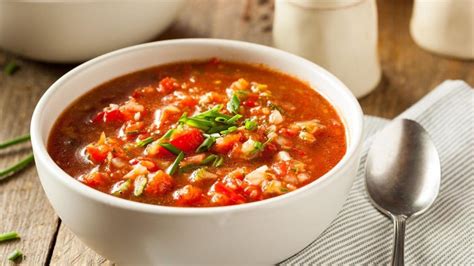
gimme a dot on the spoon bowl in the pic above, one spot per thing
(403, 175)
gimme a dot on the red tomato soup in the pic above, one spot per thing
(199, 134)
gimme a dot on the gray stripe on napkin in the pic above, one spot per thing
(444, 234)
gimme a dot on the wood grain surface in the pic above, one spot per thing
(409, 73)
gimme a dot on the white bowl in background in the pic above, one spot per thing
(129, 232)
(66, 31)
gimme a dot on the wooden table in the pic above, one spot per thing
(409, 74)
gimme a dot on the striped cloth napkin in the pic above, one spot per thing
(444, 234)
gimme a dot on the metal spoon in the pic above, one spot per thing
(403, 175)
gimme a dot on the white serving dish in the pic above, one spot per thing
(68, 31)
(129, 232)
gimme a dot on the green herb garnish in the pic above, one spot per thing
(171, 148)
(233, 104)
(250, 124)
(144, 142)
(229, 130)
(234, 119)
(9, 236)
(175, 165)
(206, 144)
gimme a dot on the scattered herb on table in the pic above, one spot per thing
(10, 68)
(9, 236)
(4, 173)
(15, 255)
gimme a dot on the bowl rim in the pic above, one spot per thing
(59, 175)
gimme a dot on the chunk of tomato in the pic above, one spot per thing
(159, 183)
(167, 85)
(97, 153)
(233, 196)
(94, 179)
(226, 143)
(187, 140)
(187, 195)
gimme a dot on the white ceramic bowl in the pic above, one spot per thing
(135, 233)
(78, 30)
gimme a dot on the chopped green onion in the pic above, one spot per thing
(229, 130)
(218, 162)
(139, 185)
(221, 119)
(197, 122)
(175, 165)
(171, 148)
(250, 124)
(9, 236)
(209, 159)
(206, 144)
(14, 141)
(121, 188)
(258, 146)
(144, 142)
(234, 119)
(217, 129)
(4, 173)
(10, 68)
(15, 255)
(233, 104)
(167, 135)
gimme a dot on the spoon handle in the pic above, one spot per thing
(399, 240)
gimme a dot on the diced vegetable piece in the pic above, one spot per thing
(306, 136)
(303, 177)
(121, 187)
(283, 156)
(201, 174)
(251, 148)
(167, 85)
(274, 187)
(161, 116)
(275, 117)
(240, 84)
(130, 107)
(139, 185)
(138, 170)
(159, 183)
(310, 126)
(94, 178)
(225, 144)
(188, 195)
(195, 159)
(98, 151)
(257, 176)
(234, 197)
